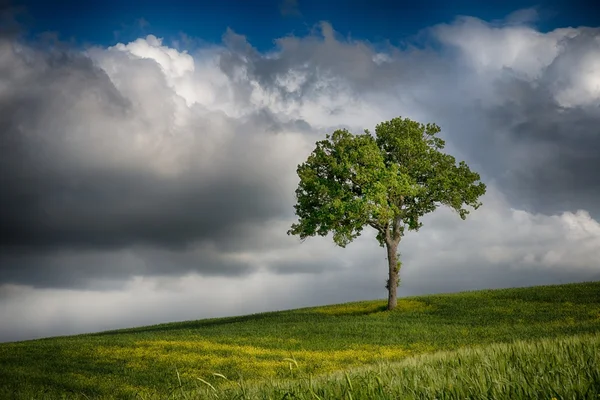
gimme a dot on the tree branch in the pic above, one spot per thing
(376, 225)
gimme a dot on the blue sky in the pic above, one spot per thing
(105, 22)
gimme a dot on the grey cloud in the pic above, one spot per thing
(542, 153)
(323, 58)
(273, 124)
(70, 186)
(65, 206)
(306, 267)
(521, 17)
(361, 280)
(559, 165)
(470, 276)
(118, 210)
(112, 269)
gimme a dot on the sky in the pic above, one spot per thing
(149, 152)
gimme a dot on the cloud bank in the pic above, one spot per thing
(143, 184)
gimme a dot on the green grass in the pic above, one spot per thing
(560, 368)
(559, 324)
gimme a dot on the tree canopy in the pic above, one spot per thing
(387, 181)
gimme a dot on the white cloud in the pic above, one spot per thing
(499, 236)
(490, 49)
(528, 53)
(582, 80)
(175, 64)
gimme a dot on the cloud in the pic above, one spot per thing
(115, 156)
(511, 248)
(509, 98)
(144, 174)
(522, 16)
(289, 8)
(529, 111)
(143, 23)
(496, 247)
(111, 151)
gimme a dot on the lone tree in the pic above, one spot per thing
(387, 182)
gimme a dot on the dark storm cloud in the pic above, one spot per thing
(104, 211)
(69, 197)
(103, 270)
(558, 164)
(98, 170)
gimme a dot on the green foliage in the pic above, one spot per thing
(565, 368)
(387, 181)
(145, 362)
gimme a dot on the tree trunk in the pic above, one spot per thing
(392, 286)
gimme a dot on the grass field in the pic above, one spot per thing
(539, 342)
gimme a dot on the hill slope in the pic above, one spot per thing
(148, 360)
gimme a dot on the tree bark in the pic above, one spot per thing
(392, 286)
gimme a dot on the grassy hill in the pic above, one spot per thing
(512, 343)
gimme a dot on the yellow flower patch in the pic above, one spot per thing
(203, 357)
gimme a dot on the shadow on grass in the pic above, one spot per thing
(177, 326)
(349, 309)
